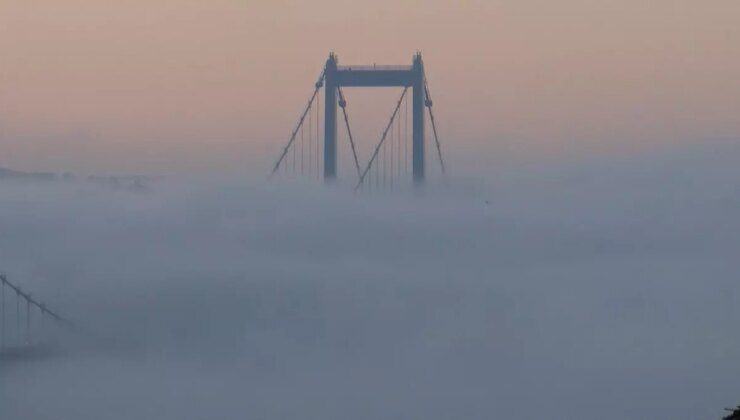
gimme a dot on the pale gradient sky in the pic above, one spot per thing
(163, 85)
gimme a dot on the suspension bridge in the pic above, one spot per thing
(27, 326)
(388, 164)
(397, 157)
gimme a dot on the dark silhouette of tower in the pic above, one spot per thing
(411, 77)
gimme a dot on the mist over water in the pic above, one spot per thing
(604, 289)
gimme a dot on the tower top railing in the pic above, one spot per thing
(366, 67)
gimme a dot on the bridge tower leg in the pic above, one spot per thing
(419, 101)
(330, 120)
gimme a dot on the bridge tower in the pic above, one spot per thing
(332, 79)
(374, 76)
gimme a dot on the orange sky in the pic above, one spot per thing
(160, 85)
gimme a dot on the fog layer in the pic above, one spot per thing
(602, 290)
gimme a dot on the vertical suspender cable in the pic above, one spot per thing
(393, 146)
(382, 140)
(310, 122)
(318, 122)
(406, 139)
(392, 166)
(386, 164)
(319, 167)
(387, 157)
(394, 162)
(18, 317)
(318, 153)
(377, 175)
(380, 162)
(398, 150)
(41, 330)
(302, 147)
(319, 84)
(2, 332)
(390, 157)
(383, 162)
(28, 322)
(343, 105)
(44, 323)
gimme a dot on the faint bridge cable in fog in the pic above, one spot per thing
(302, 144)
(28, 322)
(18, 316)
(31, 303)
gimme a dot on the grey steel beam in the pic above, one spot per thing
(375, 78)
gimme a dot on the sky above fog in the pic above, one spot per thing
(169, 85)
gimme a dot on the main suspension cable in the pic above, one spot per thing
(343, 105)
(45, 312)
(319, 84)
(434, 126)
(31, 301)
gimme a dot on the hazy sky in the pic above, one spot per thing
(161, 85)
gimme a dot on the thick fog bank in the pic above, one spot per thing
(606, 291)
